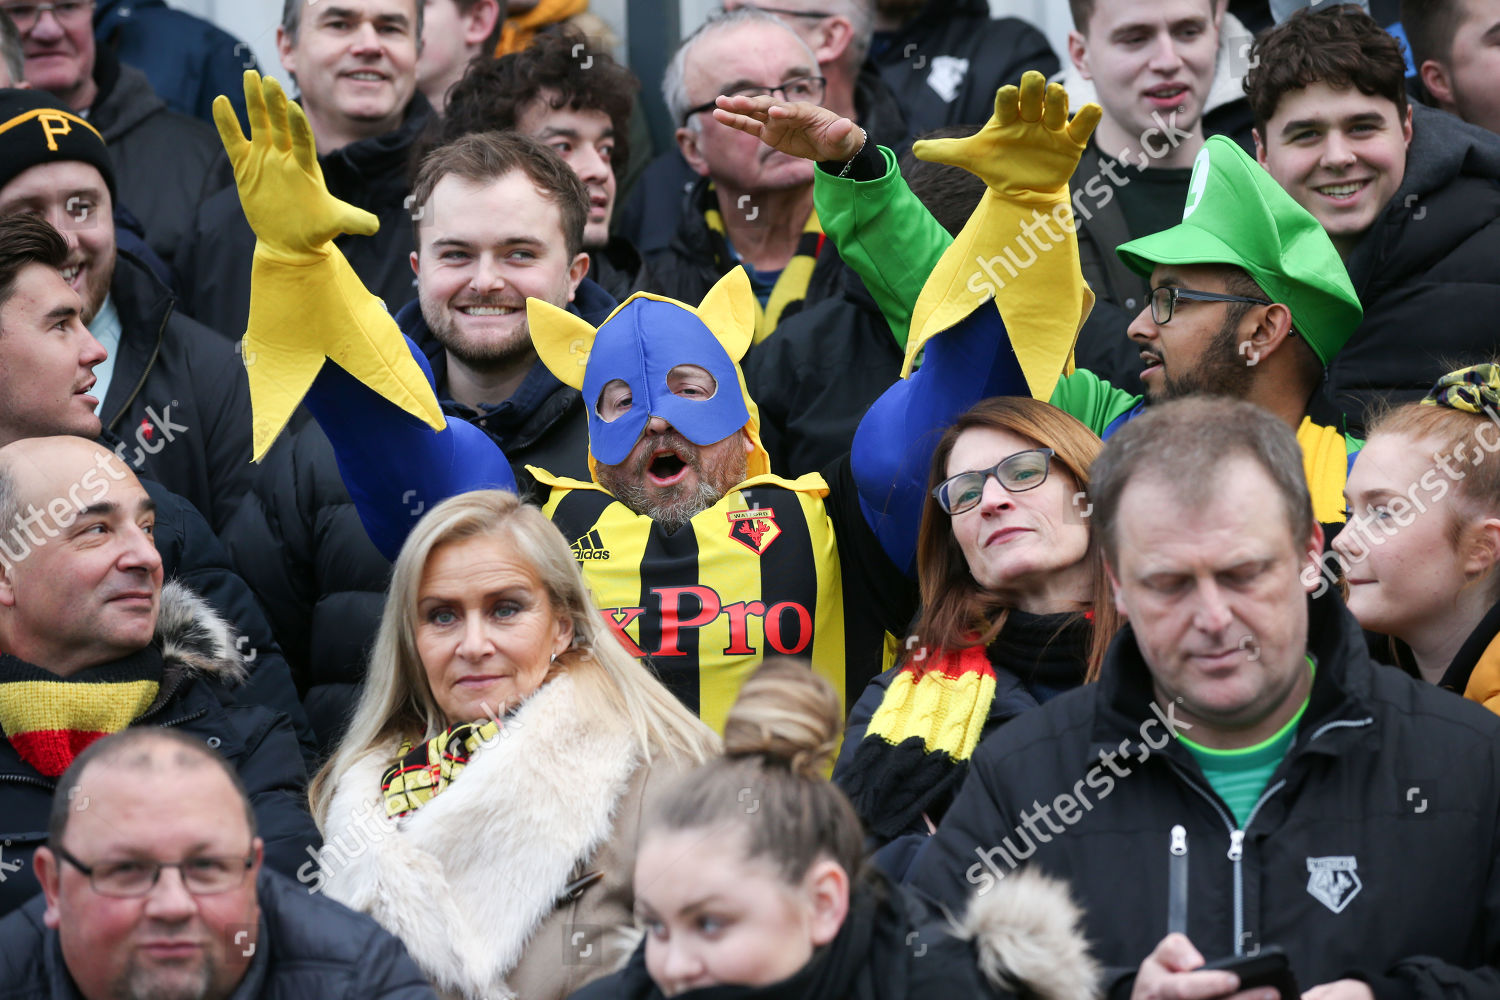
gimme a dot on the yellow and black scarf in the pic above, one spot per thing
(51, 719)
(423, 771)
(791, 286)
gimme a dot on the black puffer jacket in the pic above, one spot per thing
(947, 63)
(166, 164)
(370, 174)
(308, 948)
(1426, 271)
(200, 667)
(1371, 852)
(889, 948)
(178, 400)
(193, 555)
(299, 542)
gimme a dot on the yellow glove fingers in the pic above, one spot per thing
(1083, 123)
(304, 147)
(1033, 91)
(228, 123)
(940, 151)
(357, 222)
(1006, 100)
(1055, 111)
(255, 106)
(276, 102)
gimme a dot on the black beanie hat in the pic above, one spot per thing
(36, 128)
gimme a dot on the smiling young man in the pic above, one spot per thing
(1410, 196)
(355, 66)
(1302, 796)
(498, 219)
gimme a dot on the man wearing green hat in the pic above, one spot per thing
(1249, 298)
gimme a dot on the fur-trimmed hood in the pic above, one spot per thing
(467, 880)
(194, 638)
(1027, 933)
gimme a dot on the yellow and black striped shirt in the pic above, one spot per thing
(759, 573)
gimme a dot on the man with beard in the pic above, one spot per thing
(498, 218)
(1249, 297)
(702, 560)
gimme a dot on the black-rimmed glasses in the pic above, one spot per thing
(1164, 300)
(1025, 470)
(201, 876)
(798, 88)
(26, 15)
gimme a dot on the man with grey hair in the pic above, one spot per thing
(752, 205)
(355, 66)
(153, 888)
(12, 58)
(95, 643)
(1244, 777)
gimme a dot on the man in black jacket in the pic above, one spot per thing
(47, 379)
(166, 163)
(499, 219)
(94, 643)
(172, 391)
(354, 63)
(154, 888)
(1244, 775)
(946, 58)
(1410, 196)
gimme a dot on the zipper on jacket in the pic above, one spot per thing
(1177, 882)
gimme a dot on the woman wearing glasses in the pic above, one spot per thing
(1015, 609)
(1422, 540)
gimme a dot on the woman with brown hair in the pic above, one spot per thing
(485, 802)
(1016, 608)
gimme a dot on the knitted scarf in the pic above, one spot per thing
(919, 741)
(51, 719)
(795, 277)
(423, 771)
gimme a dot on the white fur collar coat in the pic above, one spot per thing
(466, 880)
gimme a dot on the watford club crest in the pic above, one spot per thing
(754, 529)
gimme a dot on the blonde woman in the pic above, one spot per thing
(485, 802)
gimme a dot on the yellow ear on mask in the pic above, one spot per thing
(562, 340)
(729, 311)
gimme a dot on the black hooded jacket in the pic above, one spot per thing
(1371, 852)
(299, 542)
(370, 174)
(946, 63)
(1426, 271)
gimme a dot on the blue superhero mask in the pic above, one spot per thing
(639, 344)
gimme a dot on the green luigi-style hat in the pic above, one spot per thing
(1237, 214)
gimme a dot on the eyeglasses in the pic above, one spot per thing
(204, 876)
(26, 15)
(1025, 470)
(1164, 300)
(791, 13)
(798, 88)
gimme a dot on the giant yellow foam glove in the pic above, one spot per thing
(306, 302)
(1019, 245)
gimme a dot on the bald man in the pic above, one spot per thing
(94, 643)
(154, 887)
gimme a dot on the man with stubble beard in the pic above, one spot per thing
(498, 218)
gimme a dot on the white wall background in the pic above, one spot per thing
(254, 21)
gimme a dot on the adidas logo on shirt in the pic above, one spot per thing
(590, 546)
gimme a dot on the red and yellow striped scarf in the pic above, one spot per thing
(50, 719)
